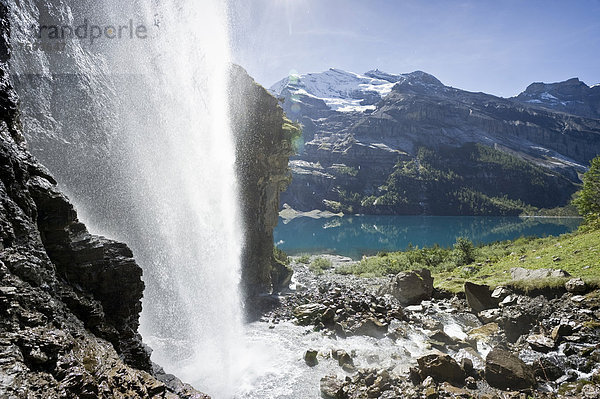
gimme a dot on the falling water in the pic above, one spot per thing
(136, 129)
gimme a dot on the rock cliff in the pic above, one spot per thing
(264, 142)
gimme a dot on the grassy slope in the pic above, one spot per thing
(579, 255)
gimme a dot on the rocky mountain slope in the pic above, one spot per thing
(408, 144)
(263, 146)
(571, 96)
(69, 300)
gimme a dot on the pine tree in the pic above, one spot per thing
(587, 200)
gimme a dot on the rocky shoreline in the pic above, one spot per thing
(480, 344)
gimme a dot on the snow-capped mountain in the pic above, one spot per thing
(344, 91)
(362, 132)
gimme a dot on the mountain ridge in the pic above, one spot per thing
(352, 121)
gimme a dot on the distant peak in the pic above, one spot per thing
(425, 78)
(378, 74)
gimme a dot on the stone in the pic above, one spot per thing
(540, 343)
(441, 367)
(310, 357)
(467, 365)
(547, 369)
(470, 382)
(576, 286)
(520, 273)
(343, 358)
(489, 315)
(507, 301)
(562, 330)
(371, 327)
(485, 332)
(309, 313)
(331, 387)
(500, 293)
(409, 288)
(479, 297)
(442, 337)
(505, 370)
(455, 392)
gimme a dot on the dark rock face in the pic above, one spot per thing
(98, 266)
(69, 301)
(371, 161)
(505, 370)
(410, 288)
(263, 146)
(479, 297)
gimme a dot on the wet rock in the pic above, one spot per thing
(310, 357)
(489, 315)
(331, 387)
(540, 343)
(505, 370)
(441, 337)
(470, 383)
(479, 297)
(441, 367)
(576, 285)
(562, 330)
(371, 327)
(309, 313)
(453, 391)
(547, 369)
(467, 365)
(410, 288)
(344, 359)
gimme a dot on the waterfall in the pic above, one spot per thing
(135, 128)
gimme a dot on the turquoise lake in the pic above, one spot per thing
(355, 236)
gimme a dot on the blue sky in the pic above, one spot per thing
(497, 47)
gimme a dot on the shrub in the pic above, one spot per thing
(318, 265)
(281, 256)
(304, 259)
(464, 251)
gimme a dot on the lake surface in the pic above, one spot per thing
(355, 236)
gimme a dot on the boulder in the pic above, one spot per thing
(331, 387)
(309, 313)
(500, 293)
(547, 369)
(344, 360)
(540, 343)
(441, 367)
(576, 285)
(479, 297)
(520, 273)
(485, 332)
(371, 327)
(562, 330)
(505, 370)
(409, 288)
(310, 357)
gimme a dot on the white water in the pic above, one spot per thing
(158, 108)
